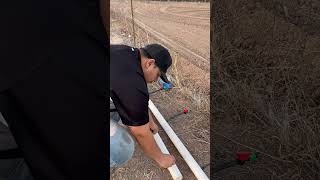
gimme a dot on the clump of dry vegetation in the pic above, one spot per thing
(266, 87)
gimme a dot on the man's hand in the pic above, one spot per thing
(166, 160)
(153, 127)
(146, 141)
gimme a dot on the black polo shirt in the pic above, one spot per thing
(129, 90)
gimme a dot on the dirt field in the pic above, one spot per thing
(183, 26)
(184, 29)
(266, 97)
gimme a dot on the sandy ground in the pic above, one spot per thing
(184, 29)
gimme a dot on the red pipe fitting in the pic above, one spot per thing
(243, 156)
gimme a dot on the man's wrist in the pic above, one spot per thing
(159, 158)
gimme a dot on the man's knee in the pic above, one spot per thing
(121, 144)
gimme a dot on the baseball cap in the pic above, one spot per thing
(162, 58)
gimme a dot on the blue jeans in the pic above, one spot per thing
(121, 142)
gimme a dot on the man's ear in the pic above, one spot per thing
(151, 62)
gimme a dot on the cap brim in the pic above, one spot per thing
(164, 78)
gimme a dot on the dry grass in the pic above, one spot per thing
(266, 79)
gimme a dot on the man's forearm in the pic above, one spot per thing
(148, 144)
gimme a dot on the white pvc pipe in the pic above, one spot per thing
(194, 166)
(174, 171)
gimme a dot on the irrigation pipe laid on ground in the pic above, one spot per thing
(174, 171)
(194, 166)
